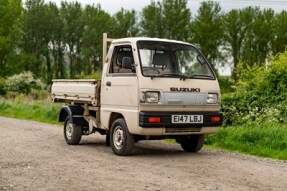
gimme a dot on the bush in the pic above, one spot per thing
(260, 94)
(275, 80)
(2, 87)
(22, 83)
(39, 94)
(226, 84)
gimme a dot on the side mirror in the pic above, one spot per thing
(127, 63)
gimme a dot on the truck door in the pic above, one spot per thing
(120, 85)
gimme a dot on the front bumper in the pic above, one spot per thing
(166, 121)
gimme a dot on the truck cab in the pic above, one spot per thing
(152, 89)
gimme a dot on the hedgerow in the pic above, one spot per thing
(260, 94)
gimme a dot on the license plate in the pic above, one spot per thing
(187, 118)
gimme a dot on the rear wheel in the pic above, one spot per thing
(72, 132)
(191, 143)
(121, 140)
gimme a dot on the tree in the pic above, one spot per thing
(73, 26)
(176, 19)
(257, 45)
(56, 41)
(207, 30)
(236, 23)
(279, 42)
(151, 20)
(34, 40)
(97, 22)
(125, 24)
(10, 14)
(42, 28)
(166, 19)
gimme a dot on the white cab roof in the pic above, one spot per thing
(135, 39)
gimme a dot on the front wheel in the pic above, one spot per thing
(72, 132)
(191, 143)
(121, 140)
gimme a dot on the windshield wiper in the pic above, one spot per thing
(200, 75)
(182, 76)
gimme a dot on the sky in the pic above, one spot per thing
(112, 6)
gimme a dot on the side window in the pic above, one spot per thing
(122, 60)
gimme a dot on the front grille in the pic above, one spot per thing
(186, 98)
(182, 130)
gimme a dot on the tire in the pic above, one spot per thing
(108, 142)
(72, 132)
(191, 143)
(121, 140)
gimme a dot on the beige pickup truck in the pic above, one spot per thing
(150, 89)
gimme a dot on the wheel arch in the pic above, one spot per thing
(74, 112)
(64, 112)
(113, 117)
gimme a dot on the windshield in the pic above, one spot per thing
(164, 59)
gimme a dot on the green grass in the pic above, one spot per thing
(268, 140)
(43, 111)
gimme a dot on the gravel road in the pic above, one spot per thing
(34, 156)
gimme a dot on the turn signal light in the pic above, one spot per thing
(154, 119)
(215, 119)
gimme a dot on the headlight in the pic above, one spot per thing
(212, 98)
(152, 97)
(149, 97)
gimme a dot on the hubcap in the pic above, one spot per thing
(118, 137)
(69, 130)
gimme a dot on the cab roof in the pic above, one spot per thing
(136, 39)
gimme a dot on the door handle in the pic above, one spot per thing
(108, 83)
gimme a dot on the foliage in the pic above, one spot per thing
(226, 84)
(260, 94)
(258, 38)
(10, 13)
(276, 79)
(267, 140)
(22, 83)
(209, 18)
(35, 38)
(2, 86)
(72, 15)
(97, 22)
(95, 75)
(236, 24)
(176, 27)
(125, 24)
(151, 21)
(279, 42)
(39, 94)
(166, 19)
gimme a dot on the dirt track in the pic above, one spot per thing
(34, 156)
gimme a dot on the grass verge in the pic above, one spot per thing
(42, 111)
(267, 140)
